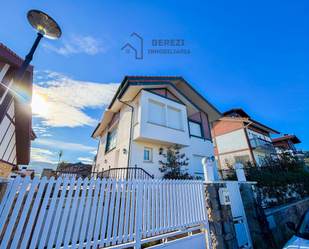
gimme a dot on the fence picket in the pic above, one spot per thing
(58, 212)
(127, 212)
(48, 222)
(98, 225)
(72, 213)
(93, 214)
(157, 207)
(133, 206)
(111, 214)
(24, 213)
(123, 196)
(14, 214)
(9, 202)
(63, 221)
(161, 206)
(115, 226)
(99, 213)
(106, 206)
(80, 213)
(5, 196)
(41, 213)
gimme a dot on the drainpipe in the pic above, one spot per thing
(129, 151)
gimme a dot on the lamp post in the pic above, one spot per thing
(46, 26)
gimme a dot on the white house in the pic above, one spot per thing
(15, 113)
(149, 113)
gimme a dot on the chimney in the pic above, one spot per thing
(286, 134)
(23, 170)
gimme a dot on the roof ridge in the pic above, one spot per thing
(14, 54)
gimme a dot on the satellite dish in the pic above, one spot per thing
(44, 24)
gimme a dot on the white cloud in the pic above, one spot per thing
(93, 152)
(46, 135)
(41, 155)
(63, 145)
(61, 100)
(76, 45)
(85, 159)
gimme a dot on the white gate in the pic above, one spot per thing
(239, 216)
(70, 213)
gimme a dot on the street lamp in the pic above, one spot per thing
(46, 26)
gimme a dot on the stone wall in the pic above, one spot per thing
(279, 215)
(221, 225)
(257, 222)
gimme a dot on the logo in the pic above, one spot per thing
(135, 43)
(137, 49)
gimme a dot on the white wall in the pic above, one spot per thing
(158, 132)
(231, 141)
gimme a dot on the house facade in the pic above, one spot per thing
(149, 114)
(239, 138)
(15, 113)
(287, 143)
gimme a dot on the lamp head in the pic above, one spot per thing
(44, 24)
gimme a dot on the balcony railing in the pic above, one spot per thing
(113, 173)
(298, 151)
(125, 173)
(264, 144)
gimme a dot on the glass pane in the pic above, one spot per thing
(146, 155)
(156, 113)
(174, 118)
(195, 129)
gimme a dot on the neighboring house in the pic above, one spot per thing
(15, 113)
(239, 138)
(150, 113)
(23, 173)
(76, 168)
(287, 143)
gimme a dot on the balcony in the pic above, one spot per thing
(261, 145)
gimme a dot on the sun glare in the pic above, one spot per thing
(40, 104)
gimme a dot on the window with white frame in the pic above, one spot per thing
(195, 129)
(156, 112)
(111, 139)
(174, 118)
(147, 155)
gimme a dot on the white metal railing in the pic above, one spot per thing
(70, 213)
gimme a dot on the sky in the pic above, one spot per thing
(248, 54)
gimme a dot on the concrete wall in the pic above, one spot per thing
(279, 215)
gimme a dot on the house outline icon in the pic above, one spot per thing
(128, 44)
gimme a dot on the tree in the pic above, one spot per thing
(60, 154)
(173, 167)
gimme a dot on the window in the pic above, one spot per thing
(195, 129)
(261, 160)
(111, 139)
(76, 166)
(174, 118)
(156, 113)
(242, 159)
(147, 155)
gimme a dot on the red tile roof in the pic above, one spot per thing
(283, 138)
(147, 76)
(11, 52)
(149, 80)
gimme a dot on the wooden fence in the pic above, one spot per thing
(95, 213)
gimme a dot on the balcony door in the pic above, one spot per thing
(255, 138)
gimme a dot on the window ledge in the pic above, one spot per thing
(165, 126)
(148, 162)
(109, 151)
